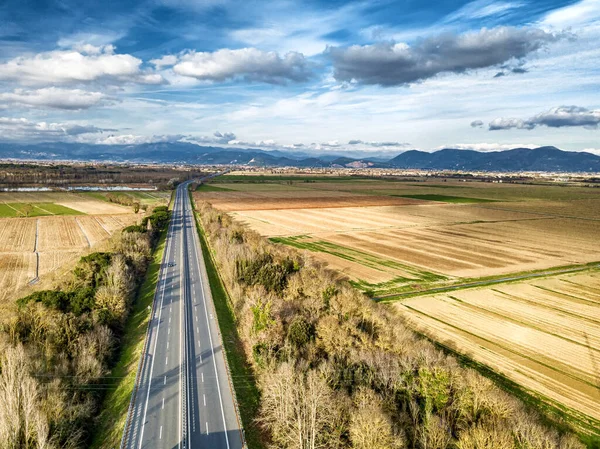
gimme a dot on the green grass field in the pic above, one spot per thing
(37, 210)
(447, 198)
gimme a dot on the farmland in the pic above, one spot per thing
(528, 254)
(419, 240)
(542, 334)
(60, 228)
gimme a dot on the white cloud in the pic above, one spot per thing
(165, 61)
(584, 12)
(53, 97)
(85, 64)
(479, 9)
(394, 64)
(595, 151)
(132, 139)
(560, 117)
(247, 63)
(22, 129)
(488, 147)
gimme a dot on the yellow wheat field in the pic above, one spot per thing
(60, 241)
(543, 334)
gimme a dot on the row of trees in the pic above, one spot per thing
(336, 370)
(49, 174)
(57, 348)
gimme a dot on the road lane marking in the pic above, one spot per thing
(163, 404)
(208, 433)
(203, 397)
(212, 348)
(202, 374)
(166, 360)
(165, 381)
(167, 345)
(168, 248)
(160, 435)
(169, 331)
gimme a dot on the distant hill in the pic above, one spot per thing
(518, 159)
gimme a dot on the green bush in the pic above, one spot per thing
(300, 332)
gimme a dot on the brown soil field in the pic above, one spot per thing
(537, 333)
(17, 235)
(60, 242)
(461, 241)
(228, 202)
(94, 207)
(60, 233)
(16, 269)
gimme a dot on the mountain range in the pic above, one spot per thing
(546, 158)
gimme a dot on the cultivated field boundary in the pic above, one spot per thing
(486, 282)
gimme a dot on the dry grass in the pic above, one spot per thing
(543, 334)
(61, 241)
(95, 207)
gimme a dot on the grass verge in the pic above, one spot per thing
(466, 283)
(110, 424)
(247, 393)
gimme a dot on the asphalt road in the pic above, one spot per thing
(183, 399)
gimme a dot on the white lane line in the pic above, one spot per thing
(197, 330)
(169, 320)
(203, 397)
(198, 342)
(166, 360)
(160, 435)
(208, 433)
(212, 348)
(167, 345)
(169, 331)
(163, 404)
(165, 381)
(202, 374)
(200, 355)
(196, 317)
(168, 248)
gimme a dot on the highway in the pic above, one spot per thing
(183, 398)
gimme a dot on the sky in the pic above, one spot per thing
(375, 76)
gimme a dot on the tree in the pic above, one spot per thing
(370, 427)
(22, 422)
(27, 209)
(300, 408)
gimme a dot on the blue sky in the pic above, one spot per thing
(381, 76)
